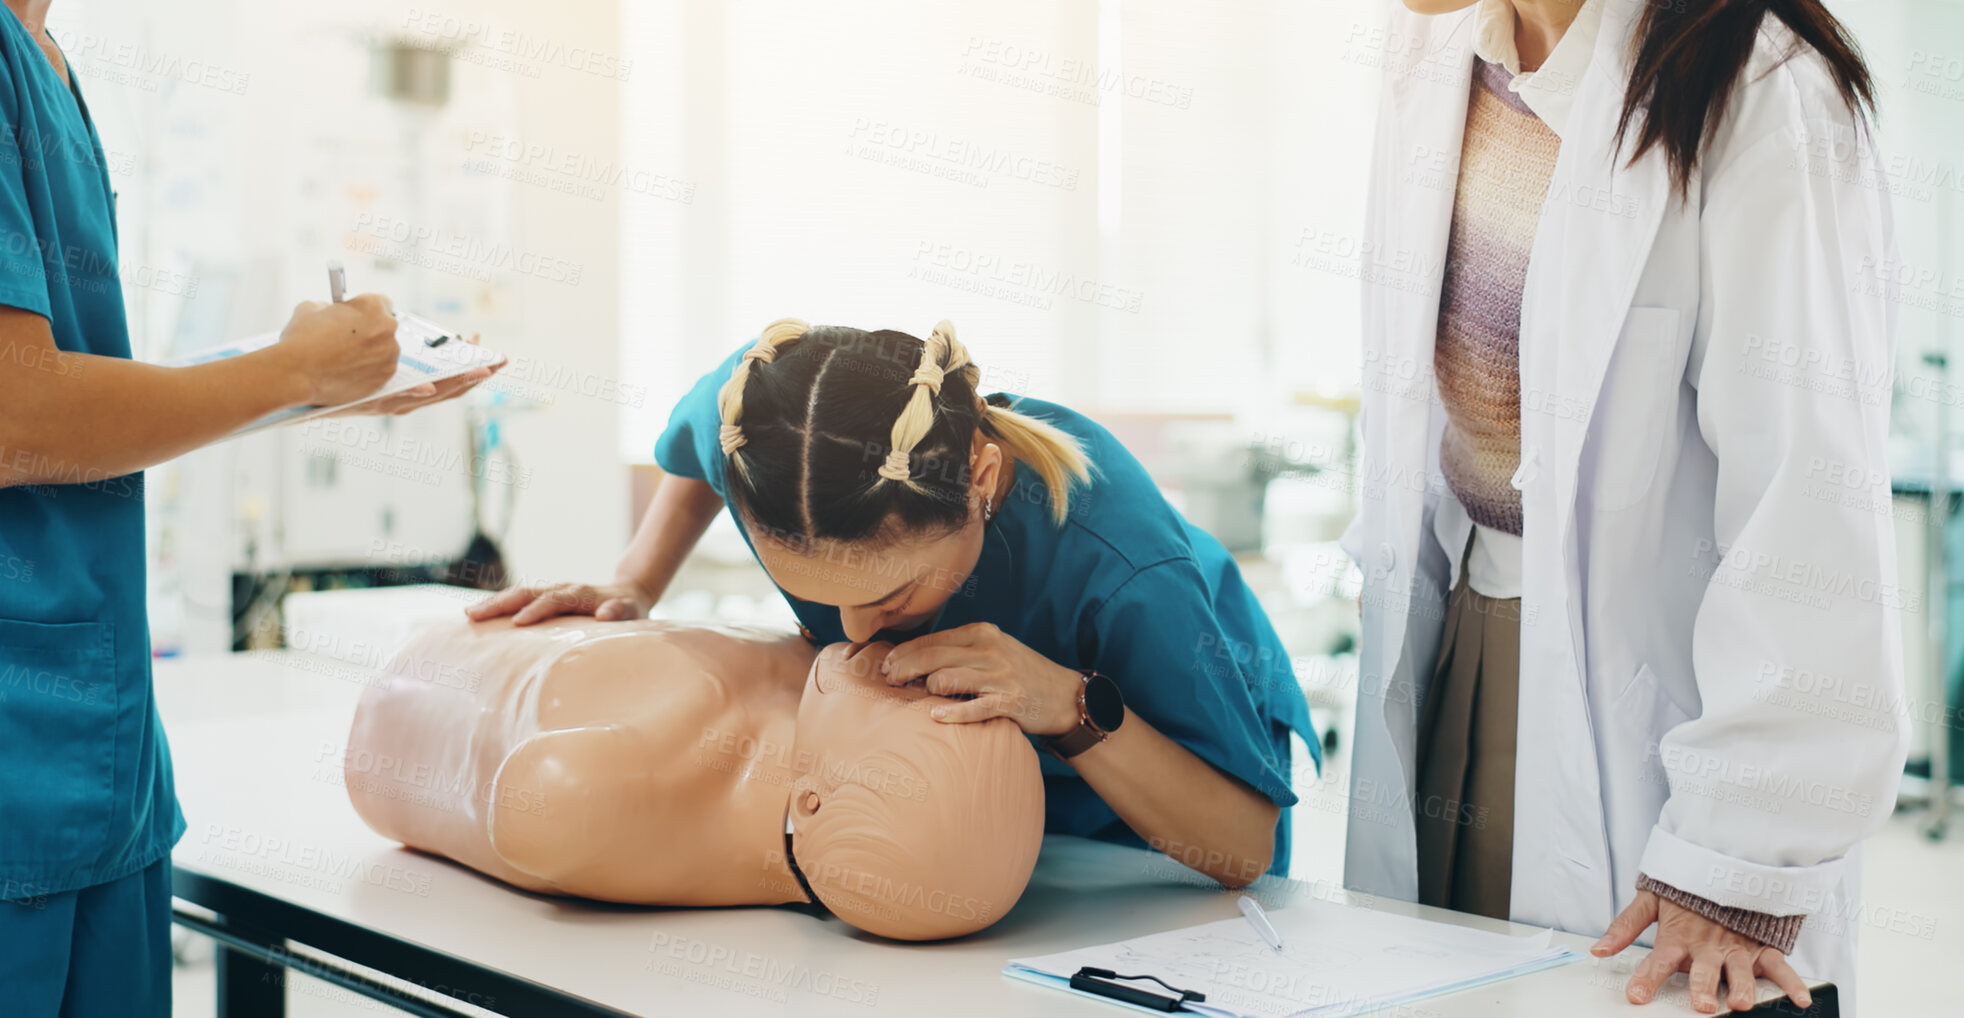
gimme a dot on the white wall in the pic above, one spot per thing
(249, 148)
(1159, 158)
(703, 166)
(1915, 48)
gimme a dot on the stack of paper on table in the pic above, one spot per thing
(1336, 960)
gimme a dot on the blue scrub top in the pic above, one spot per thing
(1125, 586)
(87, 795)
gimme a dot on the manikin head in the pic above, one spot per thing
(863, 463)
(904, 826)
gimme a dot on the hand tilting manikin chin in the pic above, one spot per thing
(895, 587)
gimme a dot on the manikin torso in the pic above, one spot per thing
(655, 762)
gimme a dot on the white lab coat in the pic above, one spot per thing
(1711, 670)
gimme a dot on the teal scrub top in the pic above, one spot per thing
(1125, 586)
(87, 796)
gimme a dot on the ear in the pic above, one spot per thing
(985, 465)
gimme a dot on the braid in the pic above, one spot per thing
(796, 439)
(958, 359)
(729, 400)
(941, 354)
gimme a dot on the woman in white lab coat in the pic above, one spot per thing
(1631, 646)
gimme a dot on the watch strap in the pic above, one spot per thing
(1086, 735)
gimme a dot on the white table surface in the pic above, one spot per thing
(257, 740)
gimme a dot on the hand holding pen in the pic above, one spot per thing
(340, 351)
(410, 399)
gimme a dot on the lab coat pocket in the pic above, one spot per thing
(1635, 412)
(57, 740)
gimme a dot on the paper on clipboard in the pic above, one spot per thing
(429, 353)
(1336, 960)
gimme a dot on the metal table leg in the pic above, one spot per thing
(248, 985)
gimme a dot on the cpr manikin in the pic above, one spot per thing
(657, 762)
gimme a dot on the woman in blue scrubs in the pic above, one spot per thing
(87, 810)
(1020, 558)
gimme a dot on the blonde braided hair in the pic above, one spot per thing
(941, 355)
(729, 399)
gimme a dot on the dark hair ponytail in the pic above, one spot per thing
(1690, 55)
(836, 434)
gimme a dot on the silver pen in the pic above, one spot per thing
(337, 281)
(1259, 920)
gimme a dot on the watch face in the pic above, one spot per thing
(1102, 702)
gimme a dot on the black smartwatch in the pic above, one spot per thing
(1100, 710)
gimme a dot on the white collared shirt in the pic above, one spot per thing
(1549, 90)
(1493, 562)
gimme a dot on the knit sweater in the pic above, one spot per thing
(1504, 166)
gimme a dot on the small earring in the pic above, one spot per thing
(988, 509)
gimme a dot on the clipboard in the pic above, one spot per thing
(1107, 983)
(1826, 1004)
(1340, 960)
(1113, 988)
(427, 352)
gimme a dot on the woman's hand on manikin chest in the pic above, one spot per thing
(1004, 676)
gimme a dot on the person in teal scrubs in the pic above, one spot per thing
(87, 810)
(1021, 559)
